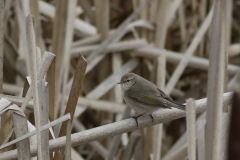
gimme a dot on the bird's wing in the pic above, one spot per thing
(149, 99)
(165, 96)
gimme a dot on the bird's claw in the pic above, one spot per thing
(152, 117)
(135, 117)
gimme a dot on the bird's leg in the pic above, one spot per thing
(136, 117)
(152, 117)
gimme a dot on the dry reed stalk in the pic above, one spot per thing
(153, 11)
(42, 70)
(202, 10)
(80, 25)
(201, 123)
(175, 57)
(202, 14)
(233, 140)
(6, 123)
(44, 127)
(225, 44)
(117, 91)
(234, 84)
(134, 137)
(2, 23)
(117, 32)
(89, 103)
(179, 149)
(116, 65)
(117, 139)
(74, 94)
(180, 142)
(102, 17)
(225, 134)
(8, 5)
(22, 34)
(138, 149)
(180, 153)
(114, 144)
(191, 128)
(68, 141)
(87, 41)
(6, 126)
(98, 58)
(38, 56)
(4, 103)
(11, 88)
(190, 51)
(33, 73)
(144, 16)
(21, 128)
(16, 100)
(34, 10)
(182, 21)
(118, 128)
(51, 83)
(158, 129)
(229, 12)
(98, 147)
(215, 85)
(135, 4)
(147, 147)
(75, 155)
(200, 135)
(86, 6)
(233, 50)
(44, 112)
(67, 48)
(114, 47)
(162, 26)
(194, 5)
(9, 136)
(58, 46)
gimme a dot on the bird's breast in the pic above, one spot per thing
(140, 108)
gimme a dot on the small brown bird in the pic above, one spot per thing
(144, 97)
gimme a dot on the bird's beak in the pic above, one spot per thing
(119, 82)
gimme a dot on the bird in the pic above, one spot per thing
(144, 97)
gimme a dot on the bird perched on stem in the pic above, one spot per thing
(144, 97)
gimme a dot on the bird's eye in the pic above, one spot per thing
(128, 80)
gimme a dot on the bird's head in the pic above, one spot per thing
(128, 80)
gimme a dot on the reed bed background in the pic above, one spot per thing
(60, 61)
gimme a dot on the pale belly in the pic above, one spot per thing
(139, 107)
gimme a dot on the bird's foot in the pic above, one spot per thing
(152, 117)
(136, 117)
